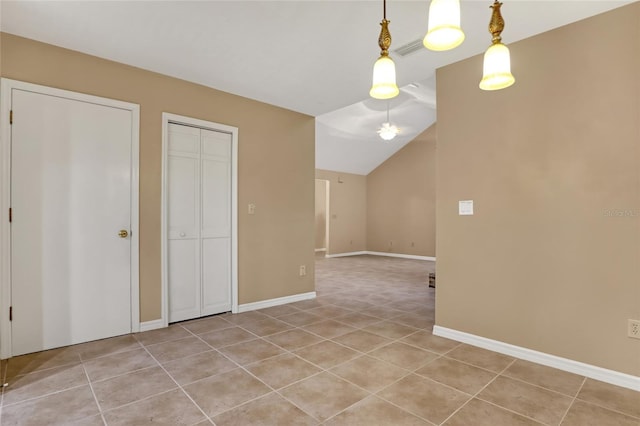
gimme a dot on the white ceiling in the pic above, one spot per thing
(314, 57)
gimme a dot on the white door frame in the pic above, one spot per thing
(327, 214)
(6, 87)
(327, 217)
(168, 118)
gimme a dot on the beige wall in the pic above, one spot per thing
(541, 264)
(401, 200)
(276, 164)
(321, 214)
(347, 211)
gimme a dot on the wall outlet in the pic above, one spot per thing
(251, 209)
(634, 329)
(303, 270)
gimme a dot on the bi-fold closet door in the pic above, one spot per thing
(199, 222)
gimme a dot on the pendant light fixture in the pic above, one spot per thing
(444, 32)
(497, 62)
(388, 131)
(384, 70)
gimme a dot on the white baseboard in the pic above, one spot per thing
(351, 253)
(319, 250)
(404, 256)
(565, 364)
(275, 302)
(380, 253)
(152, 325)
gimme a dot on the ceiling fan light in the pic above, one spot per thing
(444, 32)
(497, 68)
(384, 79)
(388, 131)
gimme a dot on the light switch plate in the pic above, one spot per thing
(465, 208)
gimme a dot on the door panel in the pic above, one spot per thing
(216, 291)
(70, 195)
(216, 199)
(183, 193)
(184, 139)
(184, 276)
(216, 144)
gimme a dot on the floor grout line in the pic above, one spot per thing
(402, 408)
(42, 370)
(273, 390)
(121, 374)
(511, 411)
(43, 395)
(543, 387)
(95, 397)
(584, 380)
(178, 385)
(606, 407)
(139, 400)
(473, 396)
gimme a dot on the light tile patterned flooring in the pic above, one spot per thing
(362, 353)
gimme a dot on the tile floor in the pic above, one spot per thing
(362, 353)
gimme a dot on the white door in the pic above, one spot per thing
(199, 222)
(71, 188)
(183, 214)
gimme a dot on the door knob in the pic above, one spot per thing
(123, 233)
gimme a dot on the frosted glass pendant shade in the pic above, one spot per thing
(384, 79)
(444, 32)
(497, 68)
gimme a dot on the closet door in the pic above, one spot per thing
(216, 222)
(183, 218)
(199, 222)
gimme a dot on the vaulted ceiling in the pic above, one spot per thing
(314, 57)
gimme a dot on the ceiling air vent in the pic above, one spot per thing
(409, 48)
